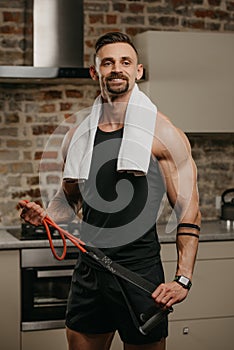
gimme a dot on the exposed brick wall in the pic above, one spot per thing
(134, 17)
(100, 16)
(214, 155)
(30, 113)
(16, 32)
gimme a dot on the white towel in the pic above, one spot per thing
(135, 150)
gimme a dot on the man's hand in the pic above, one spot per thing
(168, 294)
(32, 212)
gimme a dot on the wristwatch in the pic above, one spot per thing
(183, 281)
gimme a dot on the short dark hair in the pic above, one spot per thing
(113, 37)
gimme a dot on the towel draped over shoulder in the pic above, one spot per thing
(135, 150)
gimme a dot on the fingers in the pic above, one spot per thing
(168, 294)
(22, 203)
(32, 212)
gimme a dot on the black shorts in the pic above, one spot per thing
(97, 305)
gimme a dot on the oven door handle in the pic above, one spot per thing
(54, 273)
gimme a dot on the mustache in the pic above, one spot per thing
(116, 76)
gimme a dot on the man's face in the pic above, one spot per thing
(117, 69)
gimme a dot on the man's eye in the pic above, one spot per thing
(107, 63)
(126, 63)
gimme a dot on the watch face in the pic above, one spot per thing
(184, 280)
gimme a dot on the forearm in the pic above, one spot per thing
(187, 239)
(187, 251)
(167, 294)
(59, 209)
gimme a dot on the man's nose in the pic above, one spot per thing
(117, 67)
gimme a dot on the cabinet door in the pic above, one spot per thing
(54, 339)
(210, 334)
(212, 292)
(190, 77)
(9, 300)
(46, 339)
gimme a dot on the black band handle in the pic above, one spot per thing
(154, 320)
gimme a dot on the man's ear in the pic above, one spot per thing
(93, 72)
(139, 71)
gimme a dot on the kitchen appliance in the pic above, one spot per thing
(227, 207)
(30, 232)
(45, 284)
(58, 27)
(45, 281)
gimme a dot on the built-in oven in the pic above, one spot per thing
(45, 284)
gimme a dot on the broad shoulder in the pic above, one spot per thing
(168, 138)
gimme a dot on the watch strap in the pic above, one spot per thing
(183, 281)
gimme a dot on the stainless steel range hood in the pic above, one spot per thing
(57, 42)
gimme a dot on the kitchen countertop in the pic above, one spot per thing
(211, 231)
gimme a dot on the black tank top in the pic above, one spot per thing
(119, 208)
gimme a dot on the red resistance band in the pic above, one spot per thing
(150, 319)
(64, 234)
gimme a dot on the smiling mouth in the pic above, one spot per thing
(117, 84)
(117, 80)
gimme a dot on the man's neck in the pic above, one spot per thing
(113, 113)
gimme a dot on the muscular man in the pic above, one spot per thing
(96, 304)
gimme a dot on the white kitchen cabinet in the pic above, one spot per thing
(54, 339)
(9, 300)
(190, 77)
(202, 334)
(207, 315)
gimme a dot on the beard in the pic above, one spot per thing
(117, 89)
